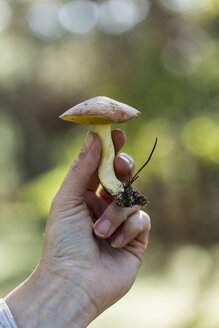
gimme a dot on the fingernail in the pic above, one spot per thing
(87, 142)
(127, 160)
(102, 228)
(117, 242)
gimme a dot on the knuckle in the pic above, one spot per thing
(76, 165)
(146, 220)
(134, 222)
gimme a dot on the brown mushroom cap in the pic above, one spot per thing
(100, 110)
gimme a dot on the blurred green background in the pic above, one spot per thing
(161, 57)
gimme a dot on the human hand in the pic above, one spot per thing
(80, 271)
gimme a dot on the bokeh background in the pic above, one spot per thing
(161, 57)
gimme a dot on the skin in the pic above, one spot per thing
(80, 273)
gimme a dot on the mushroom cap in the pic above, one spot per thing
(100, 110)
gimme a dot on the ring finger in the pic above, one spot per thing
(137, 225)
(111, 219)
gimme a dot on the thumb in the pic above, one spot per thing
(76, 181)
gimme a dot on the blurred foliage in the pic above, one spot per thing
(160, 57)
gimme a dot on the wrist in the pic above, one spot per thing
(45, 300)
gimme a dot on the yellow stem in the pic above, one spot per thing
(106, 168)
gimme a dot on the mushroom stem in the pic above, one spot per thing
(106, 168)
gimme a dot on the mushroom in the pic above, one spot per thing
(102, 112)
